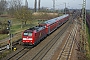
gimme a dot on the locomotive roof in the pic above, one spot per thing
(37, 28)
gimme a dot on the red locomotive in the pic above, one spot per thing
(33, 35)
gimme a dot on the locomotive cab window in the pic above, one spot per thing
(27, 34)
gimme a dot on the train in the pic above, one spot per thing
(34, 35)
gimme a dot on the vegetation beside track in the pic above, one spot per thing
(88, 44)
(4, 53)
(88, 40)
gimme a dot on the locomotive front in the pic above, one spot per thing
(28, 37)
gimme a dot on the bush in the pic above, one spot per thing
(4, 31)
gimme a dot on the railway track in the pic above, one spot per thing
(17, 54)
(40, 55)
(20, 51)
(5, 42)
(3, 48)
(67, 48)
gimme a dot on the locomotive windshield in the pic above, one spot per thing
(27, 34)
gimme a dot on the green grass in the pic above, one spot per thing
(88, 37)
(88, 32)
(4, 54)
(2, 36)
(17, 28)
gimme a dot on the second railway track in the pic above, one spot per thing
(67, 48)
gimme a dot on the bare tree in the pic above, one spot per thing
(26, 3)
(14, 5)
(20, 12)
(3, 6)
(35, 6)
(23, 14)
(39, 4)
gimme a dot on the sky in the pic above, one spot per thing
(60, 4)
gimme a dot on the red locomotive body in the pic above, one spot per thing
(33, 35)
(27, 37)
